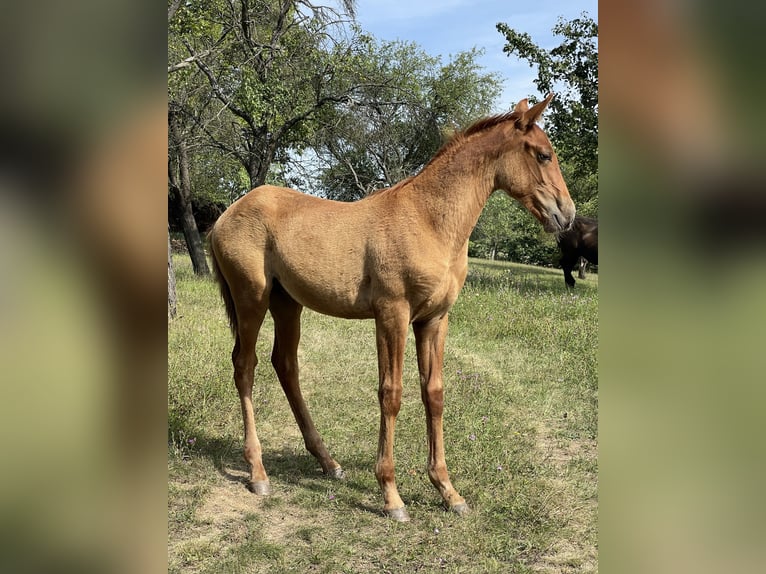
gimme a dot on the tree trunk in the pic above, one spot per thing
(183, 188)
(258, 169)
(172, 300)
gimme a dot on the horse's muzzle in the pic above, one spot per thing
(558, 222)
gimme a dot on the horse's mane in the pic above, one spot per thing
(456, 140)
(478, 126)
(489, 122)
(393, 187)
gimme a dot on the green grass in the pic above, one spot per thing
(520, 434)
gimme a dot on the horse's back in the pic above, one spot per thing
(313, 247)
(269, 214)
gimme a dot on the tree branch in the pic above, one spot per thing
(185, 63)
(219, 93)
(173, 8)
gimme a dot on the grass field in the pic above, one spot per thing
(521, 398)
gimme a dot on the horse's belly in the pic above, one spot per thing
(345, 299)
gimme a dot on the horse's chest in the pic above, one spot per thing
(434, 295)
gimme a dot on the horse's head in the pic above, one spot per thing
(529, 171)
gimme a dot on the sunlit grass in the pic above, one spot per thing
(520, 430)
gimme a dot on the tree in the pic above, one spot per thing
(181, 100)
(397, 116)
(270, 66)
(180, 185)
(570, 70)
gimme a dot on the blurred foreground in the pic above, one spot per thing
(82, 325)
(83, 253)
(682, 303)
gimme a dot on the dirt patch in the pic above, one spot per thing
(224, 519)
(219, 521)
(228, 501)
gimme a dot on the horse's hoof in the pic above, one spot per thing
(336, 473)
(398, 514)
(460, 509)
(259, 487)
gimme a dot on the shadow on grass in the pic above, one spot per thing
(284, 466)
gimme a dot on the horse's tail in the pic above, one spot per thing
(228, 301)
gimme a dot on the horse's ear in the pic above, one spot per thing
(522, 106)
(531, 115)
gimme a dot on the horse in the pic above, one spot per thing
(577, 243)
(398, 256)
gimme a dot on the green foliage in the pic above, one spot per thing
(571, 121)
(570, 70)
(494, 227)
(583, 189)
(506, 230)
(404, 104)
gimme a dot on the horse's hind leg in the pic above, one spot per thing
(581, 264)
(244, 360)
(287, 331)
(567, 265)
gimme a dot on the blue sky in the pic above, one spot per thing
(447, 27)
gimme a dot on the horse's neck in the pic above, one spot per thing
(454, 190)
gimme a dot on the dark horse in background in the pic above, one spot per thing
(580, 240)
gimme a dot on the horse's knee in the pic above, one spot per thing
(242, 356)
(433, 397)
(244, 364)
(390, 397)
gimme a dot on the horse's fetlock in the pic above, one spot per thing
(437, 473)
(384, 472)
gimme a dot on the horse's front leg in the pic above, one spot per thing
(391, 334)
(429, 340)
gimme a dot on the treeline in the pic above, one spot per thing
(294, 93)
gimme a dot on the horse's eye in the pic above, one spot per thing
(542, 156)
